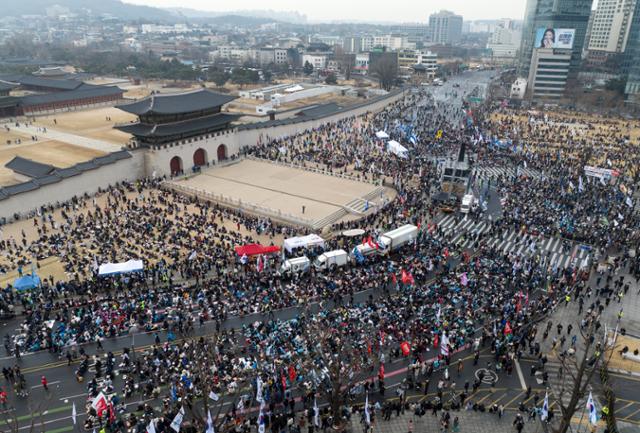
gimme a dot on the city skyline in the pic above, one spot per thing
(332, 10)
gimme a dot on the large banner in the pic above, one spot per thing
(600, 173)
(554, 38)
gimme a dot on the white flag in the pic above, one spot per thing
(213, 396)
(261, 418)
(210, 428)
(244, 259)
(316, 413)
(580, 185)
(177, 421)
(151, 428)
(591, 407)
(544, 414)
(444, 345)
(74, 414)
(367, 415)
(628, 201)
(192, 255)
(258, 389)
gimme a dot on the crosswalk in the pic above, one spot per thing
(560, 381)
(487, 172)
(466, 233)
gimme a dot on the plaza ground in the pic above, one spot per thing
(280, 188)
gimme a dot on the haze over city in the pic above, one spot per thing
(360, 10)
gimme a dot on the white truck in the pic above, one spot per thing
(331, 259)
(295, 266)
(468, 203)
(390, 241)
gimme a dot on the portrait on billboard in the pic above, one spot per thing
(555, 38)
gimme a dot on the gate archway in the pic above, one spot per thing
(176, 165)
(222, 152)
(200, 157)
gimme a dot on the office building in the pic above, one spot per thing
(445, 28)
(611, 24)
(557, 15)
(504, 41)
(548, 73)
(631, 64)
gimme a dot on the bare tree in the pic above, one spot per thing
(578, 367)
(36, 408)
(386, 70)
(336, 361)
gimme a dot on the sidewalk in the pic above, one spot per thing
(54, 134)
(470, 421)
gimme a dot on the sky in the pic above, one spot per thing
(360, 10)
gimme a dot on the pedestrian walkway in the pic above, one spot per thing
(54, 134)
(553, 251)
(469, 421)
(493, 172)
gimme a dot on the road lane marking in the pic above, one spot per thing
(523, 384)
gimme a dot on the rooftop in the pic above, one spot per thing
(30, 168)
(176, 103)
(199, 125)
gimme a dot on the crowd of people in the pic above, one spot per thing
(423, 303)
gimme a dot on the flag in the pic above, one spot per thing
(174, 393)
(210, 428)
(407, 278)
(74, 413)
(261, 418)
(177, 421)
(628, 201)
(438, 313)
(244, 259)
(580, 184)
(260, 263)
(591, 407)
(151, 428)
(367, 415)
(544, 414)
(495, 329)
(507, 328)
(99, 404)
(192, 255)
(316, 413)
(258, 389)
(444, 345)
(292, 373)
(213, 396)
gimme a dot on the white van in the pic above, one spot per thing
(331, 259)
(298, 265)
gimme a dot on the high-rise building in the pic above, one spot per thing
(544, 18)
(611, 24)
(631, 64)
(445, 27)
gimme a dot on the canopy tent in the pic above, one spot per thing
(382, 134)
(295, 88)
(255, 249)
(26, 282)
(303, 241)
(397, 149)
(353, 233)
(120, 268)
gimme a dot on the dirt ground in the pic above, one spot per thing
(281, 188)
(52, 152)
(91, 123)
(53, 265)
(617, 361)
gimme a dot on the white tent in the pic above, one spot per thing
(397, 149)
(120, 268)
(303, 241)
(382, 134)
(295, 88)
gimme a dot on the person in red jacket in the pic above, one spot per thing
(43, 381)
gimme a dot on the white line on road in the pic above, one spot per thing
(520, 376)
(73, 396)
(48, 384)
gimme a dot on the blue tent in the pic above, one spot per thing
(26, 282)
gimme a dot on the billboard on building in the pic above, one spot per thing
(555, 38)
